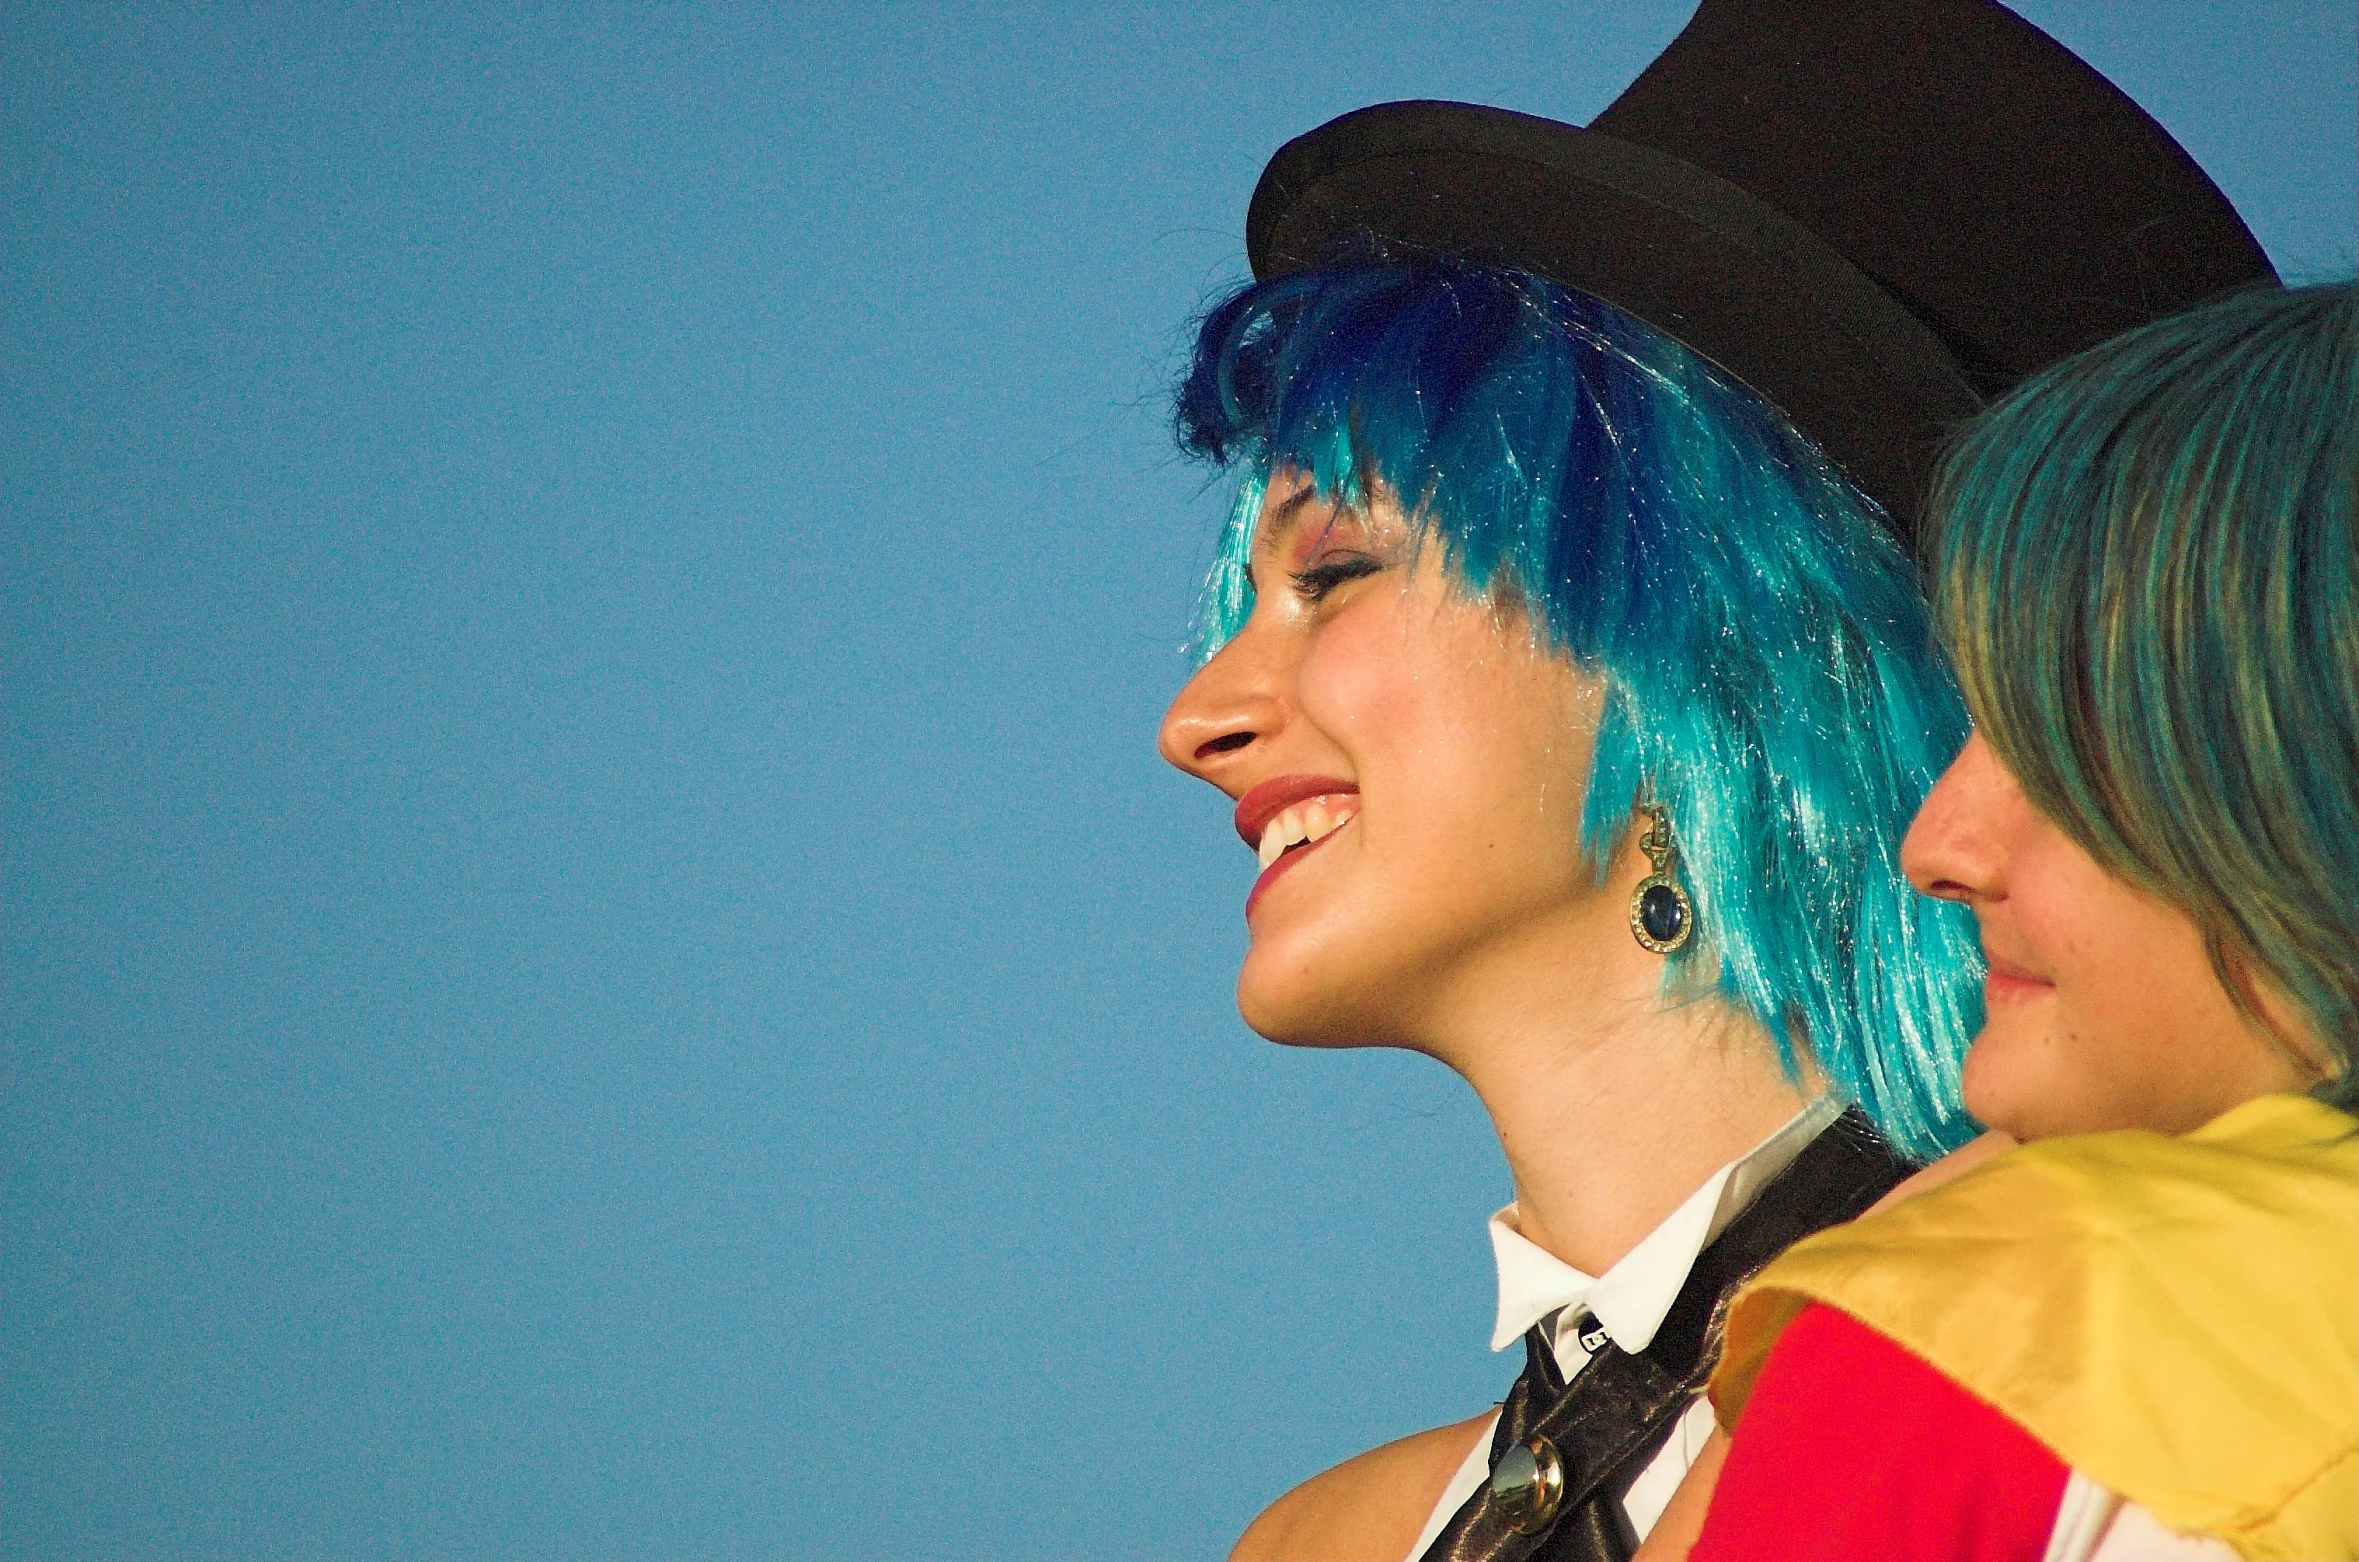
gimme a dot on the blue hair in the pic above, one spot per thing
(1772, 678)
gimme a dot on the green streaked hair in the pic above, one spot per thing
(2147, 571)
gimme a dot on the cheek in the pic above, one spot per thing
(1412, 704)
(1358, 682)
(2126, 967)
(2138, 1028)
(1468, 749)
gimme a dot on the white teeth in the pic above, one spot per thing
(1313, 820)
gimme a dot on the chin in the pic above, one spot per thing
(1295, 1013)
(1994, 1088)
(1297, 1025)
(2022, 1087)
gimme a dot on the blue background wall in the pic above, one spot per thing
(597, 959)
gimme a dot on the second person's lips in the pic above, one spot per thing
(2008, 980)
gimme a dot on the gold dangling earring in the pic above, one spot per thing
(1661, 916)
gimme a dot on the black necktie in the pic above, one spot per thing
(1564, 1454)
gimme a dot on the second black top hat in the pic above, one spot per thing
(1876, 213)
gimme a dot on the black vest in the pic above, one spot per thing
(1602, 1430)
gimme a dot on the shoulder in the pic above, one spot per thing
(2202, 1250)
(1855, 1442)
(1369, 1507)
(2074, 1284)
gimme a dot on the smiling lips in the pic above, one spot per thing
(1284, 817)
(2008, 983)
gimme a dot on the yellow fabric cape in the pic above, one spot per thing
(2177, 1318)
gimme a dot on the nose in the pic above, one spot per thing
(1225, 716)
(1956, 848)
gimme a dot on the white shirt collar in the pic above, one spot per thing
(1631, 1299)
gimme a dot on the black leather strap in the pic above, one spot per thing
(1608, 1422)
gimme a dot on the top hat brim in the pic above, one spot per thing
(1757, 294)
(1877, 214)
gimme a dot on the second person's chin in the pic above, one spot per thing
(2015, 1085)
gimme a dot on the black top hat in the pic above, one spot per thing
(1876, 213)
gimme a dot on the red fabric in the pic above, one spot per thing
(1853, 1450)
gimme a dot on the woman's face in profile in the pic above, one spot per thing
(1410, 767)
(2103, 1008)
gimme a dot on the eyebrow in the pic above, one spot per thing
(1289, 506)
(1284, 516)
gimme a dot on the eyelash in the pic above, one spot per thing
(1314, 583)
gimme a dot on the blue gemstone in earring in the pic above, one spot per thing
(1661, 919)
(1663, 913)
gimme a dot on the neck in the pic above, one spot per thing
(1612, 1105)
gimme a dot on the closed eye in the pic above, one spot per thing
(1319, 579)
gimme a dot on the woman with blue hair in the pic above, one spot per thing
(1565, 660)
